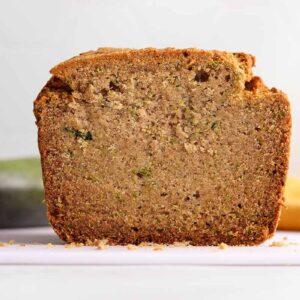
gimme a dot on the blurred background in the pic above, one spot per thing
(36, 35)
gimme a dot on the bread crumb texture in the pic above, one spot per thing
(102, 245)
(162, 146)
(132, 247)
(73, 245)
(158, 247)
(223, 246)
(278, 244)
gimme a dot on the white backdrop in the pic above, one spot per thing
(36, 34)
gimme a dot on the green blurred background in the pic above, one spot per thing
(21, 193)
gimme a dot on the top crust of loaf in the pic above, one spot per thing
(243, 62)
(102, 55)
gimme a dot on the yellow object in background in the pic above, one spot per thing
(290, 216)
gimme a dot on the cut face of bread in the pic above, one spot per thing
(162, 146)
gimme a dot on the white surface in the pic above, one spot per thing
(98, 280)
(148, 282)
(35, 35)
(36, 251)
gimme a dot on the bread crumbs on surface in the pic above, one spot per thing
(132, 247)
(285, 238)
(22, 245)
(179, 244)
(158, 247)
(11, 242)
(95, 243)
(162, 246)
(73, 245)
(154, 246)
(278, 244)
(102, 245)
(223, 246)
(2, 244)
(89, 243)
(50, 245)
(144, 244)
(293, 244)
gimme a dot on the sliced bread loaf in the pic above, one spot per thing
(162, 146)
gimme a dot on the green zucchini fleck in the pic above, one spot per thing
(80, 134)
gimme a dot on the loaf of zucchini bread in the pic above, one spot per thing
(163, 146)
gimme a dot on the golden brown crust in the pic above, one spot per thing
(250, 114)
(286, 140)
(103, 55)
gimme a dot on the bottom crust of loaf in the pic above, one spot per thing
(118, 235)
